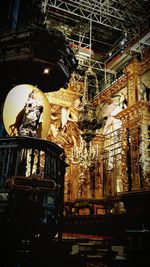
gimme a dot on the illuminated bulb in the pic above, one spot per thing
(46, 70)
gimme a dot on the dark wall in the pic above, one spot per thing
(4, 14)
(16, 14)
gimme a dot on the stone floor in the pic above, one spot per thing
(75, 251)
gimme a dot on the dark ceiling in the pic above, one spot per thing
(107, 26)
(97, 30)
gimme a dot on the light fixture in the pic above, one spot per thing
(87, 153)
(46, 70)
(110, 54)
(87, 121)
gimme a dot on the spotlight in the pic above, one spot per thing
(46, 71)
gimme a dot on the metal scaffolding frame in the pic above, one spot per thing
(95, 64)
(118, 15)
(104, 12)
(141, 44)
(72, 8)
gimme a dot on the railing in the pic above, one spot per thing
(26, 156)
(31, 183)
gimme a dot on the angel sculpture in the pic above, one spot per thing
(120, 101)
(145, 90)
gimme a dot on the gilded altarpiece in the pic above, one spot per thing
(111, 130)
(81, 182)
(135, 163)
(133, 113)
(135, 146)
(123, 162)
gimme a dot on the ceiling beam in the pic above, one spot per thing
(94, 10)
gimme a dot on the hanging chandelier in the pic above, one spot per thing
(88, 123)
(87, 152)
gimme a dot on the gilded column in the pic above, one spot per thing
(134, 137)
(99, 143)
(67, 185)
(144, 146)
(124, 146)
(132, 81)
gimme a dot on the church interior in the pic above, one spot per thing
(74, 133)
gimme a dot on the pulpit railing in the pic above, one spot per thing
(31, 181)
